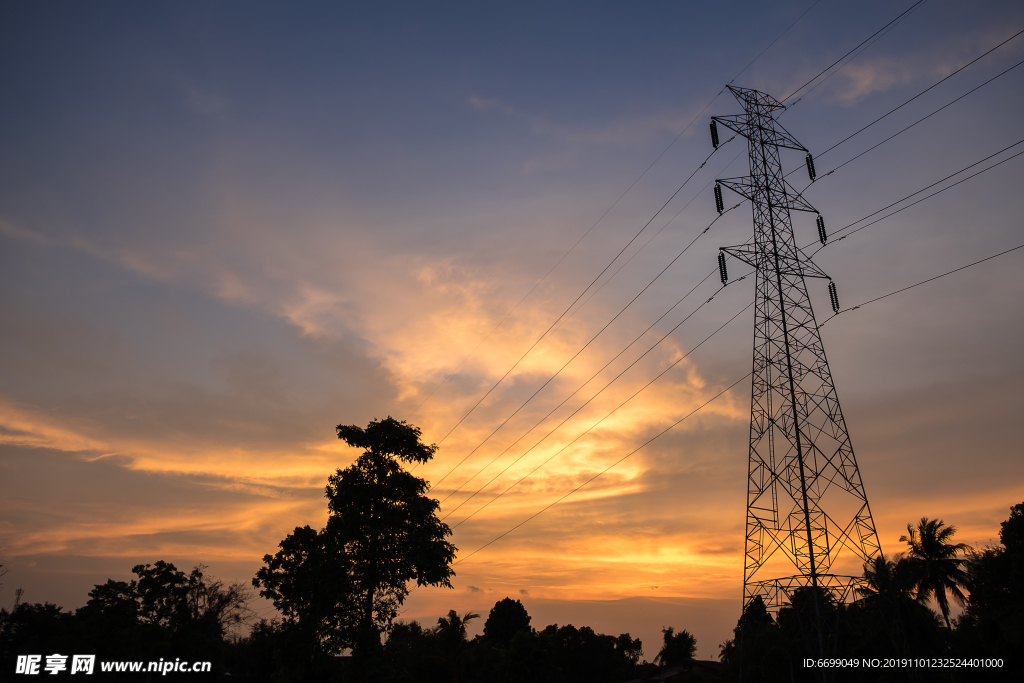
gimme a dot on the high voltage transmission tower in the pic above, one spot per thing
(809, 526)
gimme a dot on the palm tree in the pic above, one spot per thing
(887, 581)
(889, 593)
(935, 564)
(678, 647)
(451, 631)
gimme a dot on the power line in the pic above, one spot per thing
(603, 271)
(578, 389)
(918, 284)
(962, 180)
(588, 343)
(573, 247)
(851, 51)
(903, 130)
(635, 450)
(858, 54)
(579, 408)
(649, 167)
(936, 84)
(620, 352)
(584, 347)
(833, 242)
(645, 244)
(593, 426)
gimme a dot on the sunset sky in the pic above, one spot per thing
(227, 227)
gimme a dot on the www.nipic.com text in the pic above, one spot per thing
(86, 664)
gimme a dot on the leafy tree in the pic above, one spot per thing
(993, 623)
(758, 650)
(192, 602)
(310, 582)
(506, 618)
(935, 563)
(381, 516)
(413, 653)
(116, 601)
(887, 582)
(677, 647)
(528, 660)
(344, 584)
(1011, 532)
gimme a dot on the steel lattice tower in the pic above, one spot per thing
(807, 512)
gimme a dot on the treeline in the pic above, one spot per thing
(163, 614)
(169, 615)
(508, 650)
(891, 619)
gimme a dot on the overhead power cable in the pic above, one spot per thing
(729, 388)
(913, 194)
(790, 96)
(905, 129)
(579, 408)
(620, 460)
(858, 53)
(577, 310)
(856, 230)
(578, 389)
(593, 426)
(586, 289)
(585, 346)
(589, 230)
(645, 244)
(934, 85)
(572, 248)
(918, 284)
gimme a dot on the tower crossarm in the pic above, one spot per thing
(748, 189)
(776, 135)
(753, 256)
(755, 100)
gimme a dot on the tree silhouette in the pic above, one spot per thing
(677, 647)
(889, 600)
(381, 515)
(993, 623)
(309, 581)
(343, 585)
(451, 632)
(935, 565)
(506, 618)
(1011, 532)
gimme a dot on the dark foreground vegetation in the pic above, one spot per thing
(891, 619)
(338, 591)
